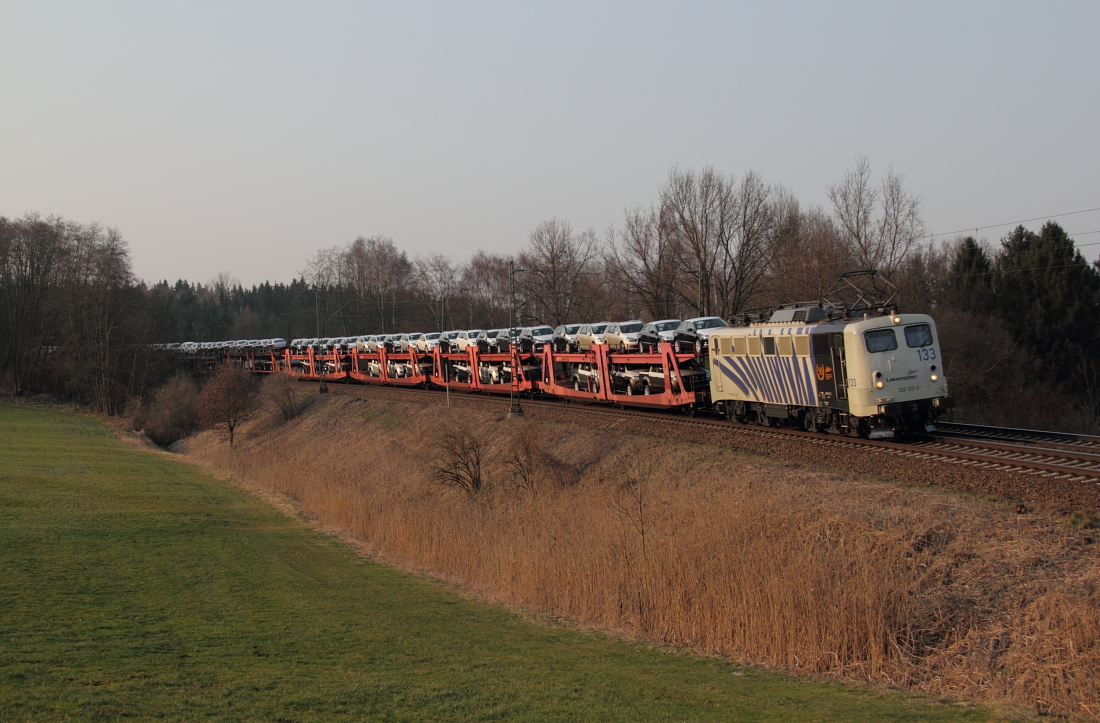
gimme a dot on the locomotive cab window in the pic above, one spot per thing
(741, 346)
(918, 335)
(880, 340)
(769, 345)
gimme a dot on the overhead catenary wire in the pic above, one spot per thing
(1014, 223)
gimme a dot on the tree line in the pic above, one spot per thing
(1015, 320)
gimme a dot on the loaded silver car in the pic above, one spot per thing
(427, 343)
(466, 338)
(622, 336)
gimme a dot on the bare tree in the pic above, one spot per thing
(387, 274)
(562, 260)
(644, 259)
(376, 274)
(698, 208)
(223, 285)
(438, 279)
(97, 275)
(881, 224)
(807, 254)
(723, 233)
(485, 280)
(456, 458)
(228, 399)
(32, 251)
(323, 269)
(744, 245)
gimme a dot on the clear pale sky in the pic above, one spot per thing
(242, 136)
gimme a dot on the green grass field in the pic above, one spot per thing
(134, 587)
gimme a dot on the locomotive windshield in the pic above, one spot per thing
(918, 335)
(880, 340)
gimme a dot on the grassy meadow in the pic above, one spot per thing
(133, 587)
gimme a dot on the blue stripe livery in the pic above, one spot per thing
(772, 379)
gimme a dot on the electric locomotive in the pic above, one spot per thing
(831, 368)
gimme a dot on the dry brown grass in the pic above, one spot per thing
(700, 547)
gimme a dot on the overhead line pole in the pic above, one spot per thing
(514, 410)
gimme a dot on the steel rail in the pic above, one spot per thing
(1010, 434)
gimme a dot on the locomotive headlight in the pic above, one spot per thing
(935, 377)
(896, 319)
(878, 385)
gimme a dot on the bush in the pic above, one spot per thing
(282, 396)
(532, 466)
(169, 415)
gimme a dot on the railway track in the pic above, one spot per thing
(1063, 457)
(1036, 437)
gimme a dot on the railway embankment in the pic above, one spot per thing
(759, 559)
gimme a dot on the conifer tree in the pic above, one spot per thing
(972, 276)
(1048, 297)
